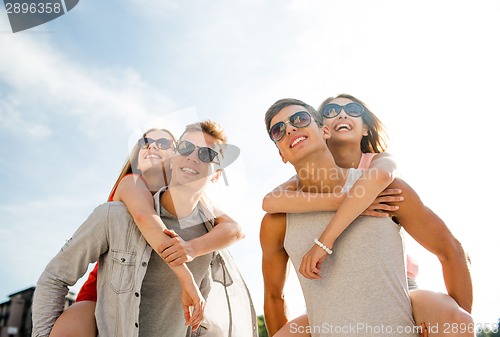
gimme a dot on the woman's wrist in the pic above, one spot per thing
(328, 239)
(183, 274)
(323, 246)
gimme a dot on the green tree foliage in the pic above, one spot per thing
(262, 326)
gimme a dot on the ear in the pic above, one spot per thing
(325, 132)
(365, 130)
(216, 176)
(282, 157)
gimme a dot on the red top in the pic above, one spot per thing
(88, 292)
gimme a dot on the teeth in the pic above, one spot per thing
(343, 126)
(297, 140)
(152, 156)
(187, 169)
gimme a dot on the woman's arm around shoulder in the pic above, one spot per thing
(362, 194)
(286, 198)
(226, 231)
(133, 192)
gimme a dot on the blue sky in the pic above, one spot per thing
(74, 92)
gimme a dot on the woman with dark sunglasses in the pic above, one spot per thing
(146, 171)
(358, 140)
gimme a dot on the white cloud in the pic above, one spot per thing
(12, 120)
(41, 81)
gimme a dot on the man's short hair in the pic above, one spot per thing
(283, 103)
(209, 127)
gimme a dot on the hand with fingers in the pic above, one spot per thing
(380, 207)
(170, 232)
(175, 251)
(192, 298)
(423, 330)
(310, 266)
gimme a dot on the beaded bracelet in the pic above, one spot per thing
(325, 248)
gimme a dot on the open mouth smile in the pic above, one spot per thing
(297, 141)
(343, 126)
(189, 170)
(151, 156)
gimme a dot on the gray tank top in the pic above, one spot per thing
(161, 312)
(363, 289)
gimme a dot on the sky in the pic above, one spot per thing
(75, 91)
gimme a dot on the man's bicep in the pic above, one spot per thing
(421, 222)
(274, 256)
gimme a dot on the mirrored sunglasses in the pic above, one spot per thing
(352, 109)
(299, 119)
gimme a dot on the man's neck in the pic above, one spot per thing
(319, 173)
(346, 156)
(180, 201)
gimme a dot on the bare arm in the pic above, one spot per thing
(287, 199)
(225, 232)
(274, 270)
(362, 194)
(135, 195)
(433, 234)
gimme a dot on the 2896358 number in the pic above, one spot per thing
(33, 8)
(455, 328)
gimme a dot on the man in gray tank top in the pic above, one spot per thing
(359, 290)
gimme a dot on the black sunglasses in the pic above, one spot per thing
(299, 119)
(161, 143)
(352, 109)
(206, 154)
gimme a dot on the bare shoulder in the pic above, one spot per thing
(129, 185)
(131, 179)
(272, 229)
